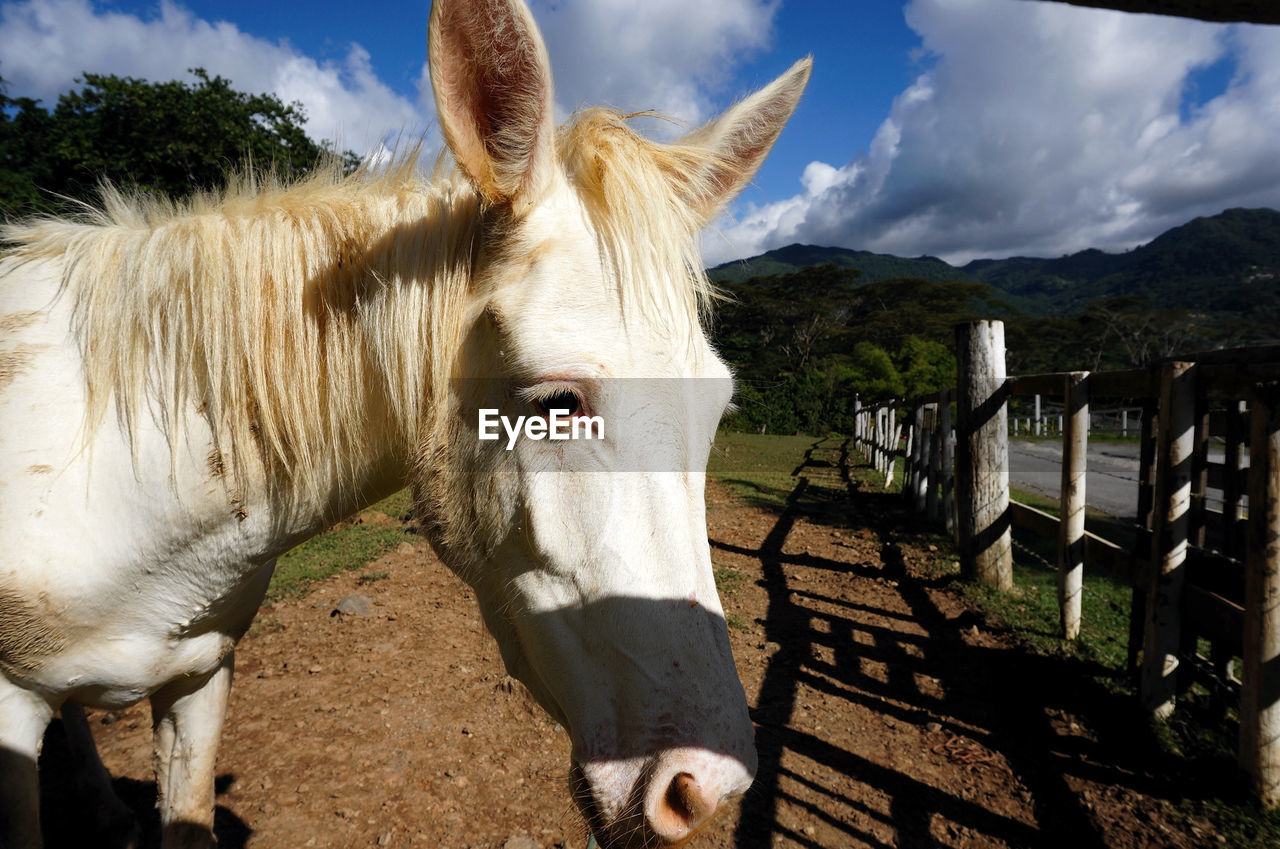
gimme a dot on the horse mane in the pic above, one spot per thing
(303, 318)
(279, 312)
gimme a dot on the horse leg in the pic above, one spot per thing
(187, 721)
(113, 820)
(24, 716)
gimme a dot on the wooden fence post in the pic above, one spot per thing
(882, 428)
(1260, 682)
(982, 461)
(913, 441)
(935, 465)
(1198, 529)
(885, 458)
(1232, 490)
(948, 464)
(877, 437)
(857, 424)
(891, 454)
(1075, 450)
(1169, 537)
(919, 458)
(1148, 433)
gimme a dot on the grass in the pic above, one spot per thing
(727, 580)
(757, 468)
(1031, 611)
(345, 547)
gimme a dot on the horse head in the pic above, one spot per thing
(589, 556)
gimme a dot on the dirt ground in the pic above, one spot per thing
(888, 713)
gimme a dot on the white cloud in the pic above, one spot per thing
(46, 44)
(672, 56)
(1041, 128)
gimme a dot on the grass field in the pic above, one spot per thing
(758, 468)
(344, 547)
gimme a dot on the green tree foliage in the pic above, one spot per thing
(804, 345)
(874, 376)
(171, 138)
(889, 311)
(926, 365)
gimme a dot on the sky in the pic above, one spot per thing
(952, 128)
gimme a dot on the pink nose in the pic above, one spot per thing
(686, 790)
(681, 809)
(643, 803)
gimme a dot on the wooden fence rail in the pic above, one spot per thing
(1198, 570)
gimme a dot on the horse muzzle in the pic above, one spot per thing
(658, 801)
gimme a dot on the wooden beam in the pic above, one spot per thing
(1221, 11)
(948, 462)
(1233, 481)
(1099, 552)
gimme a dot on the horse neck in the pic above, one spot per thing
(396, 314)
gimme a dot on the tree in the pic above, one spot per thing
(925, 365)
(875, 377)
(1137, 334)
(24, 127)
(172, 138)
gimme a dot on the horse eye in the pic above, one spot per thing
(562, 400)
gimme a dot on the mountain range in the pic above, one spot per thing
(1225, 265)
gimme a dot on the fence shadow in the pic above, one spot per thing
(1004, 699)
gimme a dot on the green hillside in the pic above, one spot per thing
(806, 328)
(1226, 263)
(871, 267)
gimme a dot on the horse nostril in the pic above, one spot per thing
(679, 796)
(683, 808)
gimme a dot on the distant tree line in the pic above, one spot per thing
(804, 345)
(171, 138)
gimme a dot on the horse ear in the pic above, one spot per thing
(492, 83)
(739, 139)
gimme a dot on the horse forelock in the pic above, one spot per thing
(636, 192)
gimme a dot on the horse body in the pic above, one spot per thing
(142, 563)
(187, 393)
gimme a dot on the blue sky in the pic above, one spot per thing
(958, 128)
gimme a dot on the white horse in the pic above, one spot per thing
(189, 390)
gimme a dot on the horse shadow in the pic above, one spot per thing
(1011, 695)
(65, 807)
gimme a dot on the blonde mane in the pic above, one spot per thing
(300, 319)
(638, 193)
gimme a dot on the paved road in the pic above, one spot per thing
(1111, 483)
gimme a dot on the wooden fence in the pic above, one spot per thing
(1197, 573)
